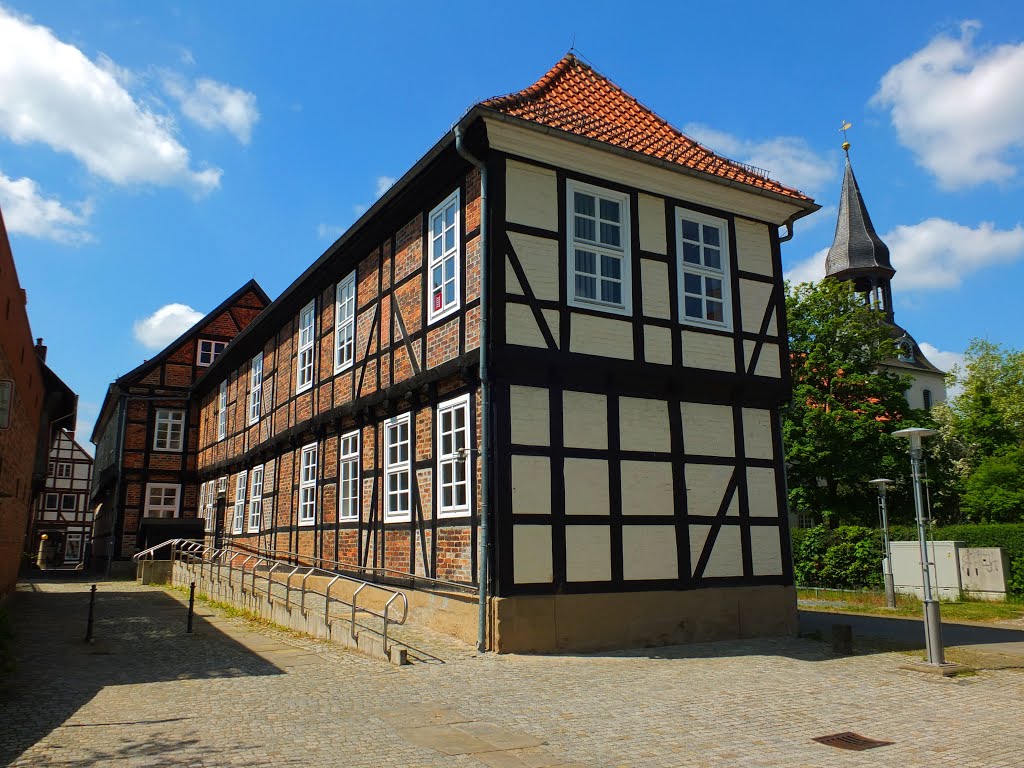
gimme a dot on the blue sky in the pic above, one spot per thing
(155, 156)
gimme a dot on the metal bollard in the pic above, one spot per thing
(191, 606)
(92, 608)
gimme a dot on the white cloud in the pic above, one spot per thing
(934, 255)
(215, 105)
(810, 270)
(27, 212)
(53, 94)
(788, 159)
(384, 183)
(941, 359)
(165, 325)
(329, 231)
(958, 108)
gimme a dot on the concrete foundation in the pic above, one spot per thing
(153, 571)
(609, 621)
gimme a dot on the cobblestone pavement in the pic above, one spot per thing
(237, 694)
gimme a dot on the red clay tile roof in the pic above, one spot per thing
(573, 97)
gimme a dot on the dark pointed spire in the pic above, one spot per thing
(857, 251)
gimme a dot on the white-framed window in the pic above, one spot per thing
(703, 260)
(68, 502)
(345, 323)
(63, 470)
(169, 434)
(397, 469)
(208, 351)
(453, 457)
(222, 484)
(205, 491)
(51, 501)
(927, 397)
(73, 548)
(255, 388)
(240, 486)
(443, 259)
(307, 337)
(307, 485)
(348, 477)
(51, 471)
(256, 499)
(162, 499)
(599, 252)
(222, 411)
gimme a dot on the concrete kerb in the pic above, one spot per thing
(285, 612)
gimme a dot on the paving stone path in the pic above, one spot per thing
(238, 694)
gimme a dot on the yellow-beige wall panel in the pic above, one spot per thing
(531, 558)
(551, 316)
(643, 425)
(603, 336)
(531, 485)
(529, 414)
(761, 492)
(586, 487)
(647, 488)
(767, 359)
(757, 433)
(658, 345)
(766, 550)
(652, 224)
(649, 552)
(588, 553)
(705, 487)
(668, 181)
(754, 298)
(539, 259)
(753, 247)
(531, 195)
(521, 327)
(512, 284)
(708, 429)
(584, 420)
(727, 554)
(705, 350)
(654, 286)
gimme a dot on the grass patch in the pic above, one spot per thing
(873, 603)
(234, 612)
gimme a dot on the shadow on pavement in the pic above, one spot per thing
(139, 637)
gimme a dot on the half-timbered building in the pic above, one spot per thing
(547, 361)
(62, 512)
(144, 483)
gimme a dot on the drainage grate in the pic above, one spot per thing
(850, 740)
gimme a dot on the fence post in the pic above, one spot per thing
(191, 606)
(92, 606)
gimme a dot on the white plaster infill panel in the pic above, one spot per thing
(521, 327)
(652, 224)
(754, 298)
(709, 351)
(654, 285)
(649, 552)
(531, 195)
(727, 554)
(643, 425)
(531, 485)
(531, 424)
(761, 492)
(531, 559)
(766, 550)
(539, 259)
(708, 429)
(647, 488)
(705, 489)
(586, 487)
(753, 247)
(584, 420)
(757, 433)
(588, 553)
(658, 345)
(767, 359)
(602, 336)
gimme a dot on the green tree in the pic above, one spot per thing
(994, 493)
(837, 429)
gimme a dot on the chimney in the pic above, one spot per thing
(40, 350)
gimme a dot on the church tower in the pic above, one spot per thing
(859, 255)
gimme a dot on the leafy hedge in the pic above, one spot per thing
(850, 556)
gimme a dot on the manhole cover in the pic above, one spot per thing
(850, 740)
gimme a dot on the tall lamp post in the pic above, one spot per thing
(881, 484)
(932, 618)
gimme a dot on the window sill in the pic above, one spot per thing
(443, 314)
(307, 523)
(727, 327)
(596, 306)
(447, 514)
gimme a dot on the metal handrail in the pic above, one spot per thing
(288, 585)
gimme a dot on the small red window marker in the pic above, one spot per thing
(437, 301)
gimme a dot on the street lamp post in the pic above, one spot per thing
(881, 484)
(932, 617)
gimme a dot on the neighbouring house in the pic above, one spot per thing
(859, 255)
(565, 321)
(33, 401)
(144, 487)
(62, 512)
